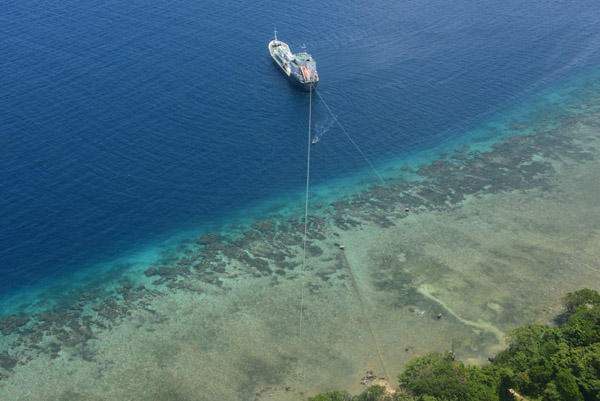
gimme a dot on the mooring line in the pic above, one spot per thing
(354, 282)
(357, 148)
(366, 316)
(305, 216)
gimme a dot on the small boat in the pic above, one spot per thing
(301, 68)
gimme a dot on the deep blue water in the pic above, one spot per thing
(125, 122)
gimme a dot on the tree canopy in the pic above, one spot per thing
(541, 363)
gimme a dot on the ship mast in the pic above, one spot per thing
(275, 28)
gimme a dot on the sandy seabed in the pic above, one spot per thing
(492, 240)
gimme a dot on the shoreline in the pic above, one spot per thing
(231, 302)
(480, 137)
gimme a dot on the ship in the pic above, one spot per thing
(300, 68)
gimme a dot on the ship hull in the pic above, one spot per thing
(300, 68)
(303, 86)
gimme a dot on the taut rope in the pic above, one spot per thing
(354, 283)
(305, 215)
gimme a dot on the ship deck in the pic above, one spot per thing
(301, 57)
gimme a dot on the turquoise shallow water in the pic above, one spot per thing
(491, 234)
(131, 131)
(56, 291)
(495, 128)
(127, 124)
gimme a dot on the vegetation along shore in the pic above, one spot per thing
(541, 363)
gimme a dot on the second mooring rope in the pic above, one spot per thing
(364, 312)
(305, 215)
(354, 283)
(357, 148)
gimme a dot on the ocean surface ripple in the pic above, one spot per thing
(123, 124)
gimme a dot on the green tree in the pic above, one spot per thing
(577, 299)
(435, 375)
(331, 396)
(566, 385)
(482, 383)
(541, 363)
(583, 326)
(585, 366)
